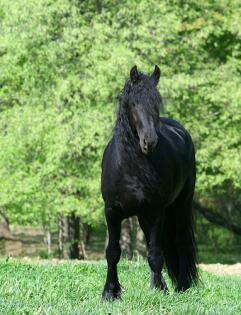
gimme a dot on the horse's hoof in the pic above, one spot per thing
(158, 282)
(164, 289)
(111, 294)
(181, 289)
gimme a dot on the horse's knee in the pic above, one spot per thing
(113, 254)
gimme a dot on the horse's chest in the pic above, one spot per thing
(132, 192)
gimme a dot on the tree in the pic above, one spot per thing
(62, 66)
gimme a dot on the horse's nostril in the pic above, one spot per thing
(149, 144)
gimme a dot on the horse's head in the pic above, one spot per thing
(144, 103)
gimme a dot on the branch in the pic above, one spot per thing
(216, 218)
(9, 238)
(17, 239)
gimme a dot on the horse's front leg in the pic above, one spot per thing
(112, 288)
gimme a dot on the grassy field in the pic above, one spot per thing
(71, 289)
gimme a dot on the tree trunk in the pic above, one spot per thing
(62, 237)
(47, 237)
(74, 236)
(87, 233)
(140, 245)
(126, 239)
(49, 242)
(132, 239)
(70, 238)
(5, 232)
(83, 254)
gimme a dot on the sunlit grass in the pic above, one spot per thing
(71, 289)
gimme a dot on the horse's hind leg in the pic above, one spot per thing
(112, 288)
(155, 256)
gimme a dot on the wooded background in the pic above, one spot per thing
(62, 65)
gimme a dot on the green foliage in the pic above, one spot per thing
(62, 66)
(76, 289)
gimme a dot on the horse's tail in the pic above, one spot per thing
(169, 246)
(179, 243)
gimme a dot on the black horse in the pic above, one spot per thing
(148, 171)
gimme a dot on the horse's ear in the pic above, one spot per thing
(134, 75)
(156, 75)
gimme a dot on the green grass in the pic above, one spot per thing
(71, 289)
(224, 256)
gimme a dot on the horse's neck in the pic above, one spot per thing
(130, 160)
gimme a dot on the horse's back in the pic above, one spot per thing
(174, 159)
(174, 136)
(171, 127)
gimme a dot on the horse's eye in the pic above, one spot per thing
(133, 104)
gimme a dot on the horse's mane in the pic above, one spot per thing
(123, 130)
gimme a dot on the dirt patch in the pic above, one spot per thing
(222, 270)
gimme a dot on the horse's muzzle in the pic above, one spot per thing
(148, 145)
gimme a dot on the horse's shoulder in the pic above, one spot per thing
(109, 146)
(107, 151)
